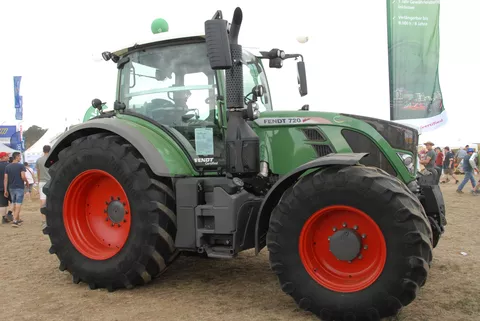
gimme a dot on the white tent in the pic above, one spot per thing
(4, 148)
(36, 150)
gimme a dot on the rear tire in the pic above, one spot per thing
(383, 275)
(89, 183)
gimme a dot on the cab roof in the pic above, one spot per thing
(166, 36)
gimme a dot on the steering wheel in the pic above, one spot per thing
(161, 103)
(164, 111)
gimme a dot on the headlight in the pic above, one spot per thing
(407, 161)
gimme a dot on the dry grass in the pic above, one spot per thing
(240, 289)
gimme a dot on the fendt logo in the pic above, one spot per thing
(3, 131)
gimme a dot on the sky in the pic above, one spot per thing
(52, 45)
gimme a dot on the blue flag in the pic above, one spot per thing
(16, 90)
(16, 142)
(19, 110)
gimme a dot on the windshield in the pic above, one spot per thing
(173, 85)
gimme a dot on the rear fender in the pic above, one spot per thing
(275, 193)
(150, 145)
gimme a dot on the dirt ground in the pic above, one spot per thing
(204, 289)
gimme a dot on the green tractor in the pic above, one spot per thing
(193, 159)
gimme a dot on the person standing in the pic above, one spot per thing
(3, 199)
(449, 165)
(30, 179)
(474, 163)
(429, 160)
(439, 160)
(14, 186)
(43, 177)
(468, 168)
(462, 152)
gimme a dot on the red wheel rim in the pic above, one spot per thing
(324, 267)
(96, 214)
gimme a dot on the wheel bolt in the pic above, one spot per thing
(118, 224)
(365, 247)
(364, 236)
(111, 197)
(349, 262)
(355, 227)
(113, 224)
(118, 198)
(106, 219)
(329, 238)
(124, 221)
(106, 203)
(334, 229)
(360, 257)
(344, 224)
(126, 212)
(124, 204)
(105, 211)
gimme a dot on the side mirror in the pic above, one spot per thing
(218, 45)
(302, 78)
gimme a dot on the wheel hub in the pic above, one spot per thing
(96, 214)
(345, 244)
(116, 211)
(342, 248)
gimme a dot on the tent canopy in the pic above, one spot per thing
(4, 148)
(36, 150)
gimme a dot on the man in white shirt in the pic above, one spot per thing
(31, 180)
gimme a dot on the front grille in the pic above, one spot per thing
(313, 134)
(322, 150)
(360, 143)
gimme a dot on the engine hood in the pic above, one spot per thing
(297, 118)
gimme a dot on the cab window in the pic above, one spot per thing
(253, 75)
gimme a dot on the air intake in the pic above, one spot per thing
(313, 134)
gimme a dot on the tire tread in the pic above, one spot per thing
(160, 250)
(411, 215)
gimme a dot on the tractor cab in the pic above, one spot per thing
(169, 80)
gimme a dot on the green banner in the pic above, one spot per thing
(413, 53)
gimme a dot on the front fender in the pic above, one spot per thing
(275, 193)
(161, 153)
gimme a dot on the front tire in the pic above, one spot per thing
(110, 220)
(350, 243)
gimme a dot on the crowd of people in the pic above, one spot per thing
(18, 180)
(446, 163)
